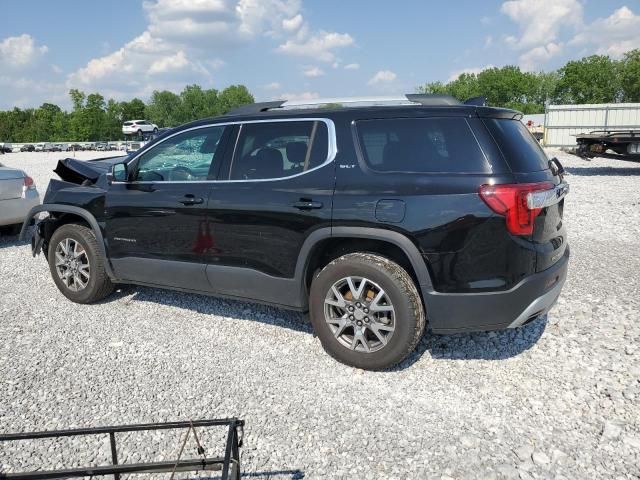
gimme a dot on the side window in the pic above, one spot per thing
(185, 157)
(422, 145)
(279, 149)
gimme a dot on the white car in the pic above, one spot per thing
(18, 194)
(138, 127)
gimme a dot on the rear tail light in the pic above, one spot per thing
(519, 203)
(28, 182)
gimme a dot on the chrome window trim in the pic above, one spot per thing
(332, 150)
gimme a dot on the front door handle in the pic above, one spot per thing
(307, 205)
(190, 199)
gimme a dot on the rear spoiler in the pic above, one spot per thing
(476, 101)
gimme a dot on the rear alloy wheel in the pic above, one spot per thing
(76, 265)
(366, 311)
(360, 314)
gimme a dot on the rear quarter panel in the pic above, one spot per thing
(465, 245)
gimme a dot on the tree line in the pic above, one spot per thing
(93, 118)
(593, 79)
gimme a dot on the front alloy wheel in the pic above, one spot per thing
(360, 314)
(72, 264)
(76, 264)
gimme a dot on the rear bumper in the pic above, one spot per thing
(467, 312)
(15, 210)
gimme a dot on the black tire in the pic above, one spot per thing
(401, 291)
(98, 285)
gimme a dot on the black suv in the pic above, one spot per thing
(377, 218)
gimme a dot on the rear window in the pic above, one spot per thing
(423, 145)
(521, 150)
(279, 149)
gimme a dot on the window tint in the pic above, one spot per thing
(520, 148)
(425, 145)
(279, 149)
(182, 158)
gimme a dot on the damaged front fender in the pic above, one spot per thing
(38, 238)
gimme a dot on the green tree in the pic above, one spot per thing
(434, 88)
(95, 116)
(630, 76)
(133, 110)
(77, 99)
(593, 79)
(114, 119)
(162, 108)
(233, 97)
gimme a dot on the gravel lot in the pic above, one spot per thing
(559, 398)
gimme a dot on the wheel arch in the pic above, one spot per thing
(70, 212)
(320, 239)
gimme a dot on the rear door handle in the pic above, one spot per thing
(190, 199)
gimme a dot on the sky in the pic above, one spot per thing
(290, 49)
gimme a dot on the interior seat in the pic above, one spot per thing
(296, 154)
(268, 163)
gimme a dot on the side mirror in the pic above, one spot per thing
(119, 172)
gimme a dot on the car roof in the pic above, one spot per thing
(362, 113)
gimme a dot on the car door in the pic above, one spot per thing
(157, 221)
(275, 189)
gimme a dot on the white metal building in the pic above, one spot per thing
(562, 122)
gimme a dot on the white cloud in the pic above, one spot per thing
(551, 28)
(170, 63)
(532, 59)
(298, 96)
(382, 77)
(223, 22)
(292, 24)
(352, 66)
(541, 20)
(19, 91)
(488, 41)
(20, 52)
(313, 72)
(185, 40)
(614, 35)
(319, 46)
(454, 75)
(272, 86)
(182, 44)
(142, 65)
(541, 23)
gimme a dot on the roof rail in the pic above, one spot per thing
(408, 99)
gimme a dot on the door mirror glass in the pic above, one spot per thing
(119, 172)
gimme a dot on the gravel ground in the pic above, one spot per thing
(559, 398)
